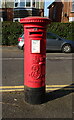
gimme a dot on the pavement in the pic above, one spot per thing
(55, 106)
(58, 103)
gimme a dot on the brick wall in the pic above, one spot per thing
(55, 11)
(63, 11)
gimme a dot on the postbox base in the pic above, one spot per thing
(35, 95)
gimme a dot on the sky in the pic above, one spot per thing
(47, 3)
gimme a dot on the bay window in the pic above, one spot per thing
(27, 3)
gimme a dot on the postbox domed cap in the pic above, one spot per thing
(41, 20)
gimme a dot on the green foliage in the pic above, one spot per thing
(12, 30)
(64, 30)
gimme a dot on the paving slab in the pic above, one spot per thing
(58, 104)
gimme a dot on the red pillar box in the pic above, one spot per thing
(34, 58)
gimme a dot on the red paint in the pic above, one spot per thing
(34, 63)
(20, 39)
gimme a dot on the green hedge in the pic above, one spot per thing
(12, 30)
(64, 30)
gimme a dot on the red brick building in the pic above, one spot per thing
(6, 14)
(9, 14)
(61, 11)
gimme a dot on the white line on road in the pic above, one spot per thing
(12, 59)
(60, 58)
(51, 58)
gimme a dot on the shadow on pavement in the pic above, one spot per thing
(59, 93)
(52, 51)
(56, 51)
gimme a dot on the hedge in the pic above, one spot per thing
(64, 30)
(12, 30)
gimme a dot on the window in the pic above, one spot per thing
(28, 3)
(51, 36)
(72, 5)
(22, 4)
(16, 4)
(33, 3)
(37, 3)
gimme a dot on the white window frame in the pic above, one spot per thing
(31, 5)
(21, 2)
(17, 1)
(25, 1)
(37, 1)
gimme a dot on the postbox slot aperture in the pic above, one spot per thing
(33, 33)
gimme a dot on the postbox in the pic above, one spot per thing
(34, 58)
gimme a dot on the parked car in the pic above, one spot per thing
(54, 43)
(21, 42)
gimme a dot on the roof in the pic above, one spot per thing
(51, 5)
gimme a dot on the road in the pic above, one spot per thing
(58, 68)
(59, 75)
